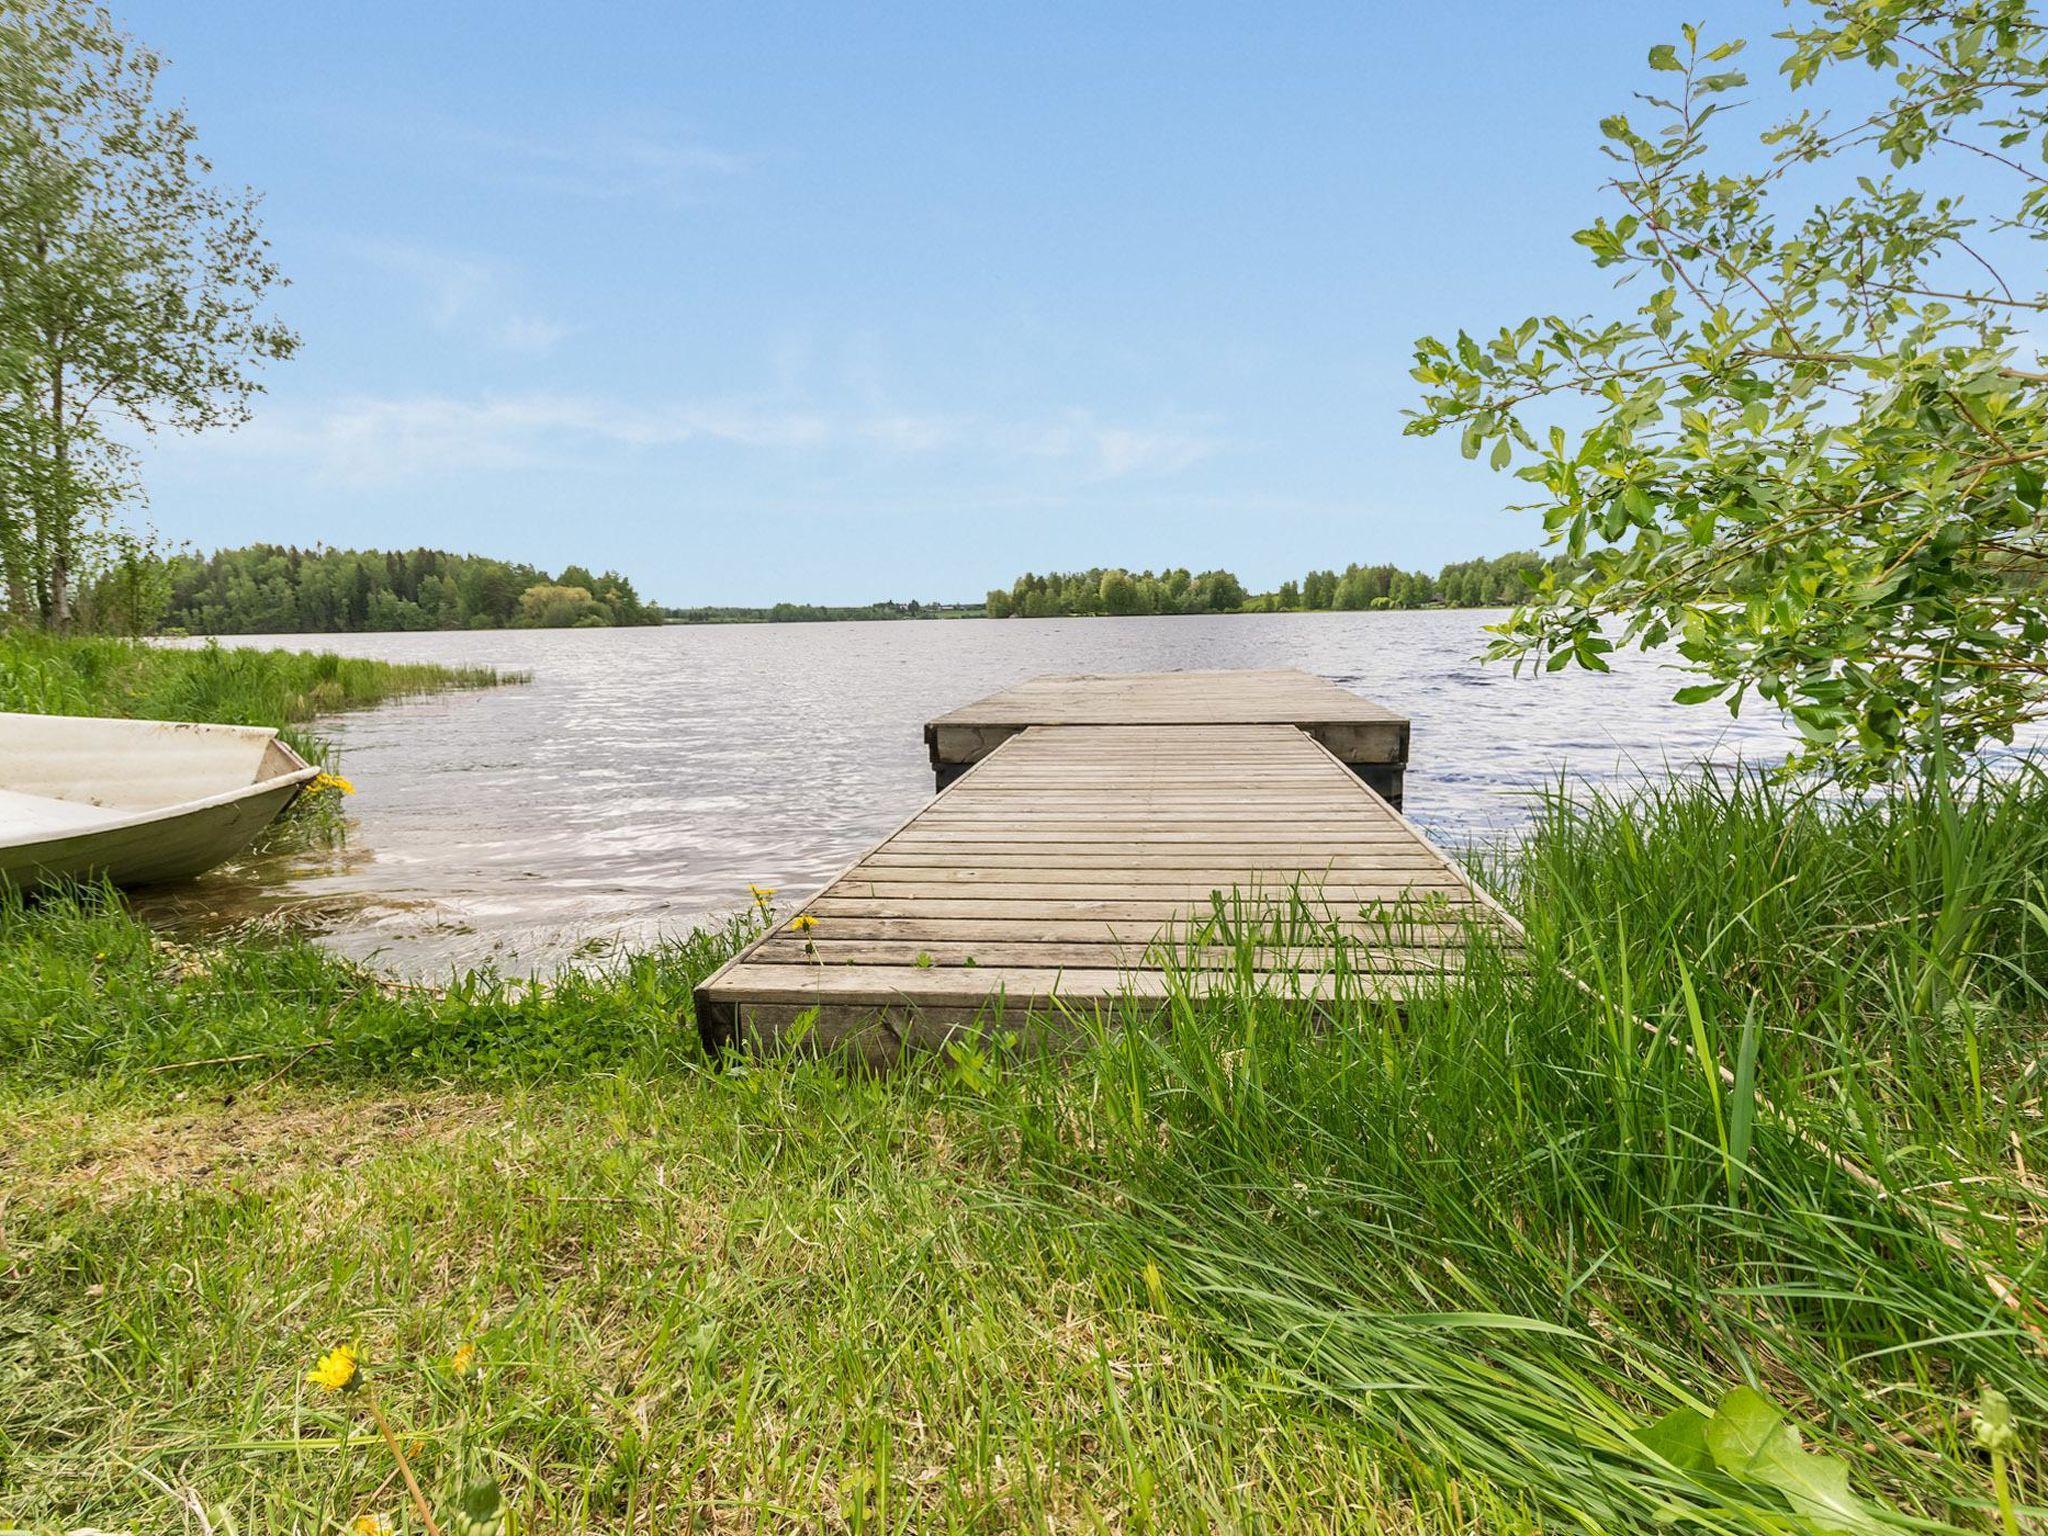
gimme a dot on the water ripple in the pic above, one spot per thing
(644, 778)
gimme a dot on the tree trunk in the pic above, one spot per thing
(14, 536)
(21, 600)
(61, 529)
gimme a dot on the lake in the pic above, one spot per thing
(645, 777)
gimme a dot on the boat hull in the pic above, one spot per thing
(136, 802)
(149, 853)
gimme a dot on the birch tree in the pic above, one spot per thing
(134, 286)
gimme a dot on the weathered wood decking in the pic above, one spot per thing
(1070, 859)
(1370, 740)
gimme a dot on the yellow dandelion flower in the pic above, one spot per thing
(803, 922)
(337, 1369)
(330, 781)
(370, 1525)
(763, 894)
(462, 1359)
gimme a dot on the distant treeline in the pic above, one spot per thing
(1495, 583)
(281, 589)
(278, 589)
(818, 613)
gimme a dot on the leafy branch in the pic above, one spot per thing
(1814, 460)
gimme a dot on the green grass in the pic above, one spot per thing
(90, 675)
(1233, 1269)
(89, 994)
(1521, 1222)
(98, 675)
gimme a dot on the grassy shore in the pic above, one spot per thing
(85, 675)
(1763, 1111)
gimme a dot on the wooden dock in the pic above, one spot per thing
(1069, 861)
(1370, 740)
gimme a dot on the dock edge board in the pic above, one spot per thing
(939, 891)
(1369, 739)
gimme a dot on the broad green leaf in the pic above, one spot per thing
(1680, 1437)
(1818, 1488)
(1750, 1440)
(1745, 1426)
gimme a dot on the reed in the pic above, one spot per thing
(41, 673)
(96, 675)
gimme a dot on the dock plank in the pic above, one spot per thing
(1063, 868)
(1203, 705)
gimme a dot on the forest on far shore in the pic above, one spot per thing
(1500, 582)
(276, 589)
(264, 589)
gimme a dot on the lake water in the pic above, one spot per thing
(644, 778)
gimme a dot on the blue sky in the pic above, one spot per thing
(831, 302)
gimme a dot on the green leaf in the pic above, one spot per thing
(1744, 1428)
(1749, 1439)
(1818, 1488)
(1680, 1437)
(1822, 489)
(1703, 1052)
(1699, 693)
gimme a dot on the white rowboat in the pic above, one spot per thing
(134, 801)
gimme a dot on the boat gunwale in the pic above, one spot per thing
(303, 774)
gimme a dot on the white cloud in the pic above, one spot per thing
(382, 439)
(611, 160)
(369, 438)
(1122, 452)
(531, 333)
(1116, 451)
(910, 434)
(448, 286)
(462, 296)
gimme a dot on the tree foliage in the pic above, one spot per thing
(1495, 583)
(131, 288)
(546, 605)
(1816, 443)
(266, 589)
